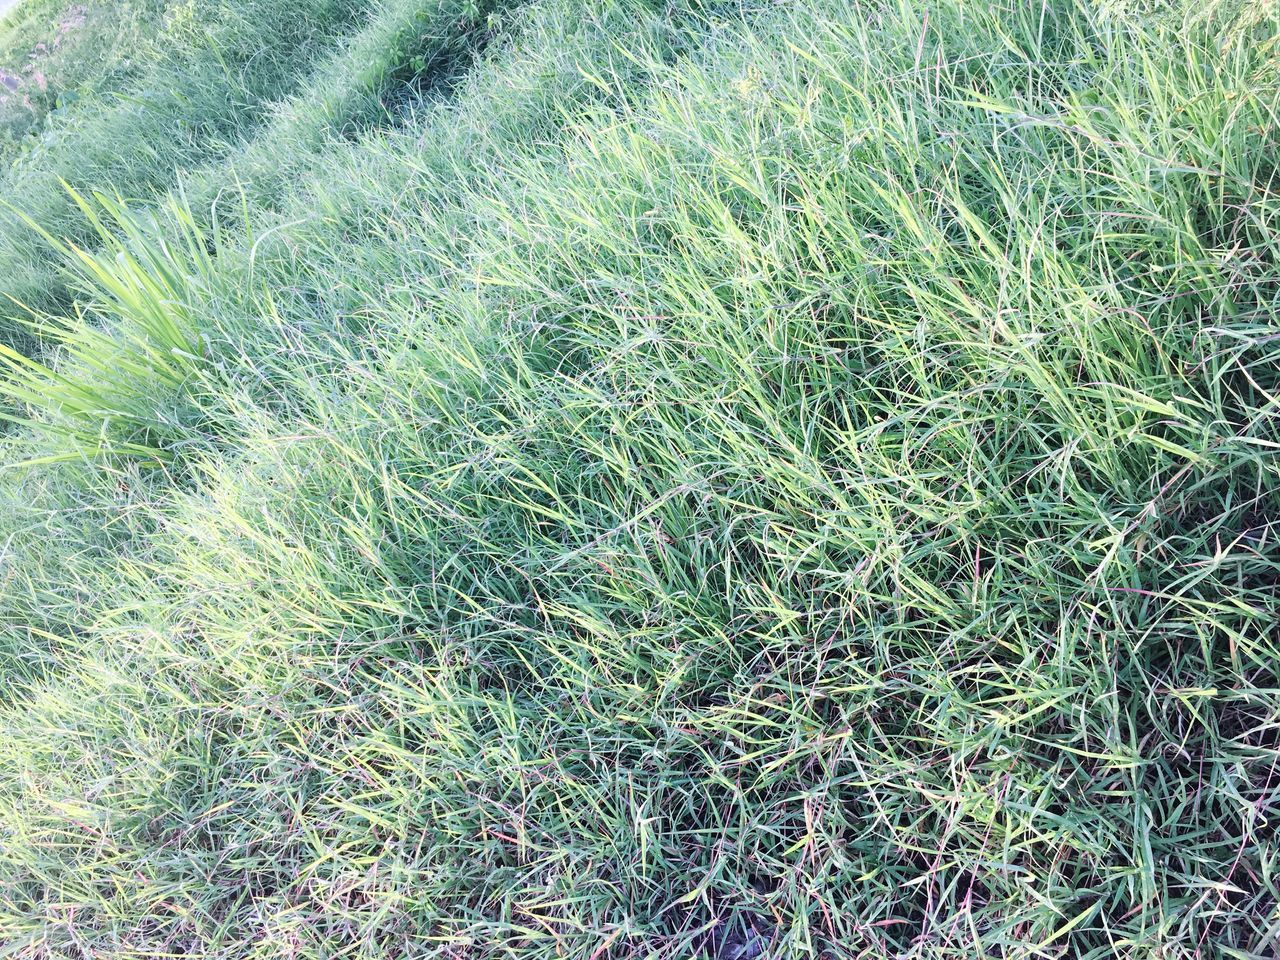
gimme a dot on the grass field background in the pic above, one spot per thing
(640, 479)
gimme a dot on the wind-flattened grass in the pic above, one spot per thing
(730, 481)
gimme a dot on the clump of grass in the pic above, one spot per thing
(119, 388)
(729, 481)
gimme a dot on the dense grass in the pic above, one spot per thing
(53, 54)
(196, 90)
(704, 479)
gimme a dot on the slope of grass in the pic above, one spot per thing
(405, 47)
(720, 480)
(200, 86)
(54, 53)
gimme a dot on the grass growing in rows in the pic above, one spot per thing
(711, 480)
(203, 83)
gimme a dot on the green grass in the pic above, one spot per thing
(54, 53)
(202, 84)
(607, 479)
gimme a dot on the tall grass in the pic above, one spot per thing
(117, 387)
(403, 43)
(207, 83)
(729, 481)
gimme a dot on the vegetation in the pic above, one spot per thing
(648, 478)
(52, 55)
(208, 80)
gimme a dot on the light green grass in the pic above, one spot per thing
(709, 480)
(194, 91)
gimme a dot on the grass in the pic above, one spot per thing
(53, 54)
(203, 83)
(660, 479)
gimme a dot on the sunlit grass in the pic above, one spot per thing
(714, 480)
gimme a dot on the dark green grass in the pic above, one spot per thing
(715, 480)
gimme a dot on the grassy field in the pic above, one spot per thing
(608, 479)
